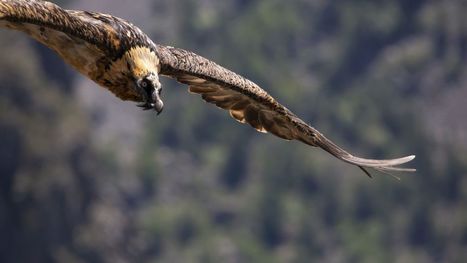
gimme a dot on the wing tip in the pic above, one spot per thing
(409, 158)
(385, 165)
(402, 160)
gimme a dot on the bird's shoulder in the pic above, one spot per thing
(120, 34)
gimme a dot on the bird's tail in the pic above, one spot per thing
(385, 166)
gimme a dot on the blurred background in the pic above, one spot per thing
(85, 177)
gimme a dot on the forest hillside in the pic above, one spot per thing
(85, 177)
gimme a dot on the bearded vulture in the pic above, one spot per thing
(121, 58)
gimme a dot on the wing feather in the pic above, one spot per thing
(49, 15)
(248, 103)
(110, 34)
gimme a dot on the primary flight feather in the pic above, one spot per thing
(120, 57)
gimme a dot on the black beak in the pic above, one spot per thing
(157, 103)
(149, 90)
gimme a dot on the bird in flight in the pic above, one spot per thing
(121, 58)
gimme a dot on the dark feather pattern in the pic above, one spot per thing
(113, 53)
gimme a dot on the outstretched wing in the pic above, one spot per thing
(90, 41)
(86, 40)
(248, 103)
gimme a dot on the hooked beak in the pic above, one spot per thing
(150, 91)
(157, 103)
(154, 103)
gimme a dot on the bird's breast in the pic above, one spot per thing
(117, 77)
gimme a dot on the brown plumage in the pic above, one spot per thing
(120, 57)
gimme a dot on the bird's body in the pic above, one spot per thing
(120, 57)
(103, 56)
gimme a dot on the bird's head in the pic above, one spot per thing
(150, 90)
(143, 66)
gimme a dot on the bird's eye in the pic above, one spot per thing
(144, 84)
(159, 91)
